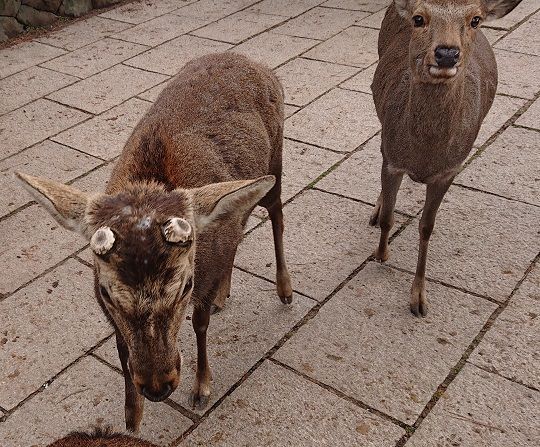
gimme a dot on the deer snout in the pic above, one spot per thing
(446, 57)
(157, 394)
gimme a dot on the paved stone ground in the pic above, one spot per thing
(346, 364)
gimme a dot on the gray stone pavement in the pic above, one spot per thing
(346, 364)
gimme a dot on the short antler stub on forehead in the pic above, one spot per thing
(102, 240)
(176, 230)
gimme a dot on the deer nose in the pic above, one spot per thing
(446, 57)
(157, 395)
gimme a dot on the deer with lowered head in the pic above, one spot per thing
(434, 84)
(167, 228)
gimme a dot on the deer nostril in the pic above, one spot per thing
(158, 396)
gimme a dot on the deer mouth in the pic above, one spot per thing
(442, 72)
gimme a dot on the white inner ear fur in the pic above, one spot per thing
(176, 230)
(102, 240)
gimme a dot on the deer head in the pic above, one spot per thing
(144, 244)
(443, 32)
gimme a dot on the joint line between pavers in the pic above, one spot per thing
(352, 10)
(502, 376)
(472, 188)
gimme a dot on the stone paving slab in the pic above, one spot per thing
(284, 7)
(82, 33)
(519, 74)
(25, 55)
(211, 10)
(102, 91)
(320, 23)
(508, 167)
(359, 177)
(238, 27)
(62, 309)
(28, 85)
(33, 123)
(277, 407)
(374, 20)
(113, 128)
(59, 162)
(366, 343)
(475, 244)
(362, 81)
(358, 5)
(519, 41)
(95, 57)
(171, 56)
(524, 9)
(339, 120)
(326, 238)
(343, 48)
(492, 35)
(153, 93)
(32, 242)
(274, 49)
(86, 395)
(252, 322)
(160, 29)
(531, 117)
(482, 409)
(95, 181)
(304, 79)
(142, 11)
(510, 348)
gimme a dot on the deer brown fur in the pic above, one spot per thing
(167, 229)
(433, 86)
(100, 438)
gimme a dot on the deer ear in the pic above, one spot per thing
(495, 9)
(213, 201)
(65, 203)
(402, 7)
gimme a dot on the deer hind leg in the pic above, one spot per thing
(384, 210)
(202, 386)
(434, 195)
(283, 279)
(134, 404)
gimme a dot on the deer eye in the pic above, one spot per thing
(475, 21)
(418, 21)
(104, 294)
(187, 288)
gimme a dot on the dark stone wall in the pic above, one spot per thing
(18, 15)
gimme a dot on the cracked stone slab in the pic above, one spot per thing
(274, 49)
(305, 413)
(343, 48)
(358, 5)
(82, 33)
(28, 85)
(519, 74)
(143, 11)
(284, 7)
(160, 29)
(359, 177)
(320, 23)
(211, 10)
(508, 167)
(362, 81)
(252, 322)
(326, 238)
(481, 409)
(503, 108)
(25, 55)
(510, 347)
(339, 120)
(238, 27)
(103, 91)
(95, 57)
(32, 242)
(88, 394)
(35, 122)
(304, 79)
(366, 343)
(302, 164)
(105, 135)
(531, 118)
(49, 159)
(62, 309)
(481, 242)
(169, 57)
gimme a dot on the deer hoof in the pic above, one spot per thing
(381, 255)
(198, 401)
(419, 305)
(286, 299)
